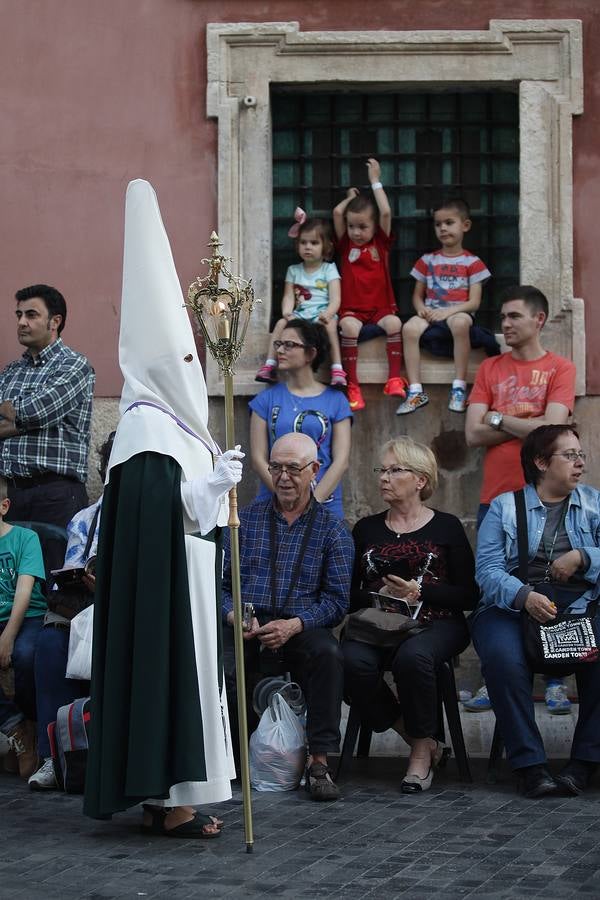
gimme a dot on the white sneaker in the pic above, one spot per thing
(44, 779)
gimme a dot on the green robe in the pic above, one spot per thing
(146, 731)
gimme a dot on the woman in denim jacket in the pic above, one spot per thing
(563, 523)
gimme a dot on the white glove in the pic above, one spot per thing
(203, 498)
(227, 471)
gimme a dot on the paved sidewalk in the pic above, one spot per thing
(454, 841)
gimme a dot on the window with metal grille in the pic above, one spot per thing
(430, 145)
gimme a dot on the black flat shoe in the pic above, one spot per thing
(414, 784)
(575, 776)
(536, 781)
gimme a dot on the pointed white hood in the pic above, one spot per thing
(157, 353)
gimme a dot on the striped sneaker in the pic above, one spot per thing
(338, 379)
(266, 374)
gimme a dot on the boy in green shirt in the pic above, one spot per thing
(22, 609)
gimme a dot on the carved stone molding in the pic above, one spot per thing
(542, 59)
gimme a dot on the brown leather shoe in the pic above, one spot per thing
(24, 743)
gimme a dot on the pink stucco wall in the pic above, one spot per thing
(94, 94)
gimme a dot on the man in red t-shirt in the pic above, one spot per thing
(513, 394)
(517, 392)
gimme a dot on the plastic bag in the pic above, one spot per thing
(79, 663)
(277, 749)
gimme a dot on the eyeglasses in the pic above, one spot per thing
(288, 345)
(390, 471)
(572, 455)
(293, 471)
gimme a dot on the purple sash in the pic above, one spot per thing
(215, 450)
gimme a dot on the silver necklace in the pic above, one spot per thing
(416, 519)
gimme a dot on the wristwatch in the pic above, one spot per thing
(495, 420)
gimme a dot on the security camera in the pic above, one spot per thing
(249, 101)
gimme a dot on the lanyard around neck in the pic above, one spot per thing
(274, 550)
(550, 552)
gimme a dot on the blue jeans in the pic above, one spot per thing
(23, 706)
(497, 639)
(53, 689)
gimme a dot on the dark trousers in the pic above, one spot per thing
(314, 659)
(52, 688)
(54, 502)
(497, 639)
(23, 706)
(414, 666)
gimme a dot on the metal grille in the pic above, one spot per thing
(430, 146)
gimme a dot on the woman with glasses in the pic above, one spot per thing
(435, 574)
(563, 530)
(301, 403)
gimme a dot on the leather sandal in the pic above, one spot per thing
(195, 829)
(158, 815)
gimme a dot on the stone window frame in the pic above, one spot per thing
(540, 57)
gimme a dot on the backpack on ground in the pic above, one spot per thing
(69, 745)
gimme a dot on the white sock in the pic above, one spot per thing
(415, 388)
(458, 383)
(338, 367)
(271, 362)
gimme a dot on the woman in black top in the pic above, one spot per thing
(433, 553)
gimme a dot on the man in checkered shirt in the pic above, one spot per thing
(45, 414)
(295, 568)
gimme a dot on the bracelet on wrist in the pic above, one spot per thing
(376, 185)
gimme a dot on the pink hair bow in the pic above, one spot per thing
(300, 217)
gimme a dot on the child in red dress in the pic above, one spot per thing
(363, 230)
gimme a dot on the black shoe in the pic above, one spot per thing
(576, 775)
(536, 781)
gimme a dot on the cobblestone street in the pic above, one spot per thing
(454, 841)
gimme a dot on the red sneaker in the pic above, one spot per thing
(355, 397)
(395, 387)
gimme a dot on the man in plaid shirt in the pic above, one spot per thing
(295, 564)
(45, 414)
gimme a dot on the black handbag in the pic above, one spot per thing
(71, 599)
(380, 628)
(569, 639)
